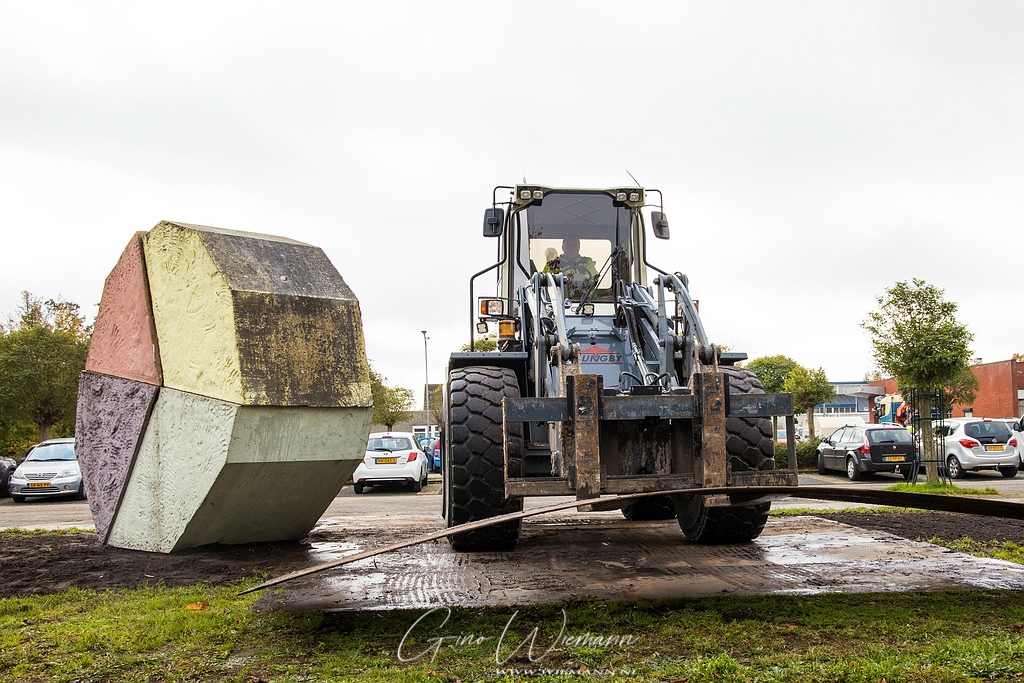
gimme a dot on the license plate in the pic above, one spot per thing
(894, 458)
(387, 461)
(39, 485)
(994, 447)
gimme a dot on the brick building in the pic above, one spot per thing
(1000, 390)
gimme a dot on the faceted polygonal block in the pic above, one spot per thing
(209, 471)
(254, 319)
(124, 342)
(111, 418)
(227, 395)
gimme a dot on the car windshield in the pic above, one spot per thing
(389, 443)
(52, 451)
(876, 436)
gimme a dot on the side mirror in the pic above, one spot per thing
(494, 221)
(659, 223)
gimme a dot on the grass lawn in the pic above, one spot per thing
(201, 633)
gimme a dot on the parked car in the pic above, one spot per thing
(391, 458)
(7, 466)
(863, 449)
(781, 435)
(49, 470)
(430, 448)
(1016, 426)
(973, 444)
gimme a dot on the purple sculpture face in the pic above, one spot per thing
(112, 416)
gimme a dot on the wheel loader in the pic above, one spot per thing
(603, 381)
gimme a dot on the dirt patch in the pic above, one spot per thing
(46, 563)
(922, 526)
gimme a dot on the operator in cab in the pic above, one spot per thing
(580, 270)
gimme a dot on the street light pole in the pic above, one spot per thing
(426, 381)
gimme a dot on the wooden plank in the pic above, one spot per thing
(760, 405)
(652, 482)
(536, 410)
(540, 486)
(584, 393)
(763, 478)
(710, 390)
(665, 406)
(790, 443)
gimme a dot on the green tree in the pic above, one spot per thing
(436, 404)
(918, 340)
(772, 371)
(390, 404)
(42, 352)
(809, 388)
(482, 344)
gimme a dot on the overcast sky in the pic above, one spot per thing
(811, 154)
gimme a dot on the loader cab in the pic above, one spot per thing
(606, 223)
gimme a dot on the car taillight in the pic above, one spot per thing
(864, 447)
(1013, 442)
(969, 443)
(412, 456)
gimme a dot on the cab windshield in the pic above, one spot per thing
(582, 236)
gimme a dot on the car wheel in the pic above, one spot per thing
(416, 486)
(851, 469)
(81, 492)
(1008, 472)
(357, 487)
(18, 499)
(954, 468)
(821, 464)
(750, 446)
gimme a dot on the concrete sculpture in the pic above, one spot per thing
(226, 397)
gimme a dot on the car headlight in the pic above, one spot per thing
(72, 472)
(18, 475)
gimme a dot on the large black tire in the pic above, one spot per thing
(736, 524)
(749, 445)
(658, 507)
(474, 461)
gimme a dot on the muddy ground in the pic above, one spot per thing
(39, 564)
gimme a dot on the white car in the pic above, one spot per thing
(49, 470)
(391, 458)
(978, 444)
(1017, 431)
